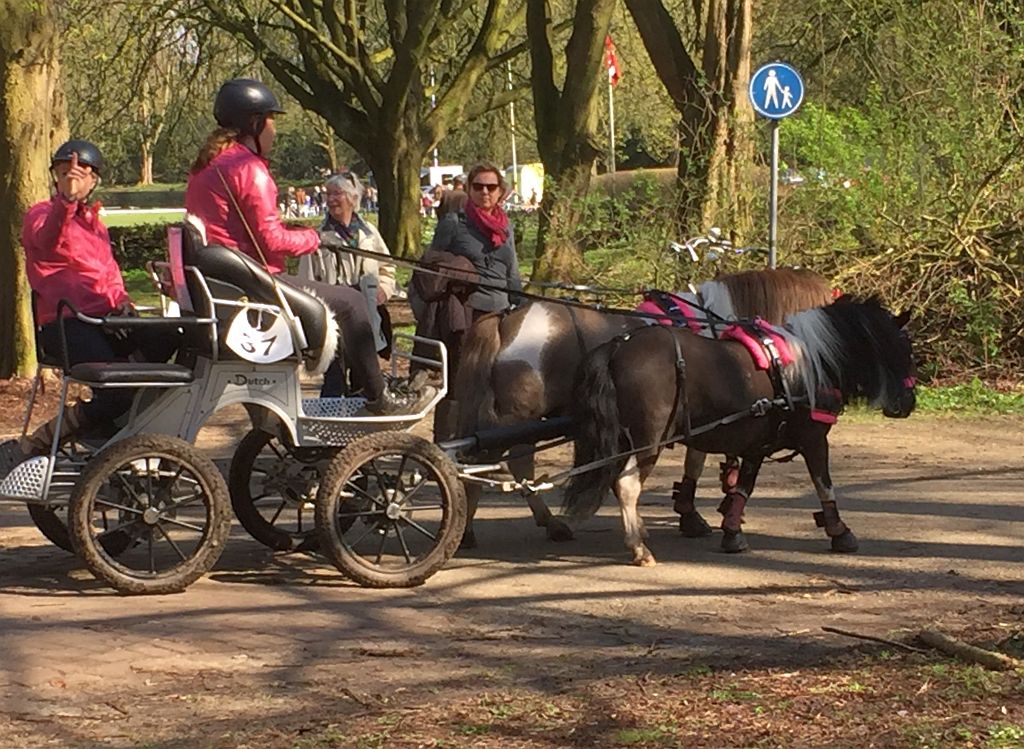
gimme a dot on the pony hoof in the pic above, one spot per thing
(692, 525)
(559, 530)
(734, 543)
(468, 539)
(845, 543)
(645, 559)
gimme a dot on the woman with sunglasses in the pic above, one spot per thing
(479, 235)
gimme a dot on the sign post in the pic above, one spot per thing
(776, 91)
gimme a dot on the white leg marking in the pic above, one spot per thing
(627, 491)
(825, 493)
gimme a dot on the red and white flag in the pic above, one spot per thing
(611, 61)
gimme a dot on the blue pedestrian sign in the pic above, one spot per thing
(776, 90)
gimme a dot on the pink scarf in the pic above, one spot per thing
(493, 225)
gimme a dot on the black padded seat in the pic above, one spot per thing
(130, 373)
(223, 266)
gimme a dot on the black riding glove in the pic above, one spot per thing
(331, 240)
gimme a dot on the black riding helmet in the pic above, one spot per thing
(240, 100)
(88, 154)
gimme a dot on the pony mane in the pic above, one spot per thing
(852, 346)
(770, 294)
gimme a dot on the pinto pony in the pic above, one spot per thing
(522, 366)
(630, 401)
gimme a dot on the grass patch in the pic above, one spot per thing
(140, 288)
(634, 736)
(139, 218)
(971, 398)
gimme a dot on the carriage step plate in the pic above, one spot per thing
(26, 480)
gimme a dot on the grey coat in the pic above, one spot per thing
(497, 266)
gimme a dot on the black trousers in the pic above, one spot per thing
(92, 343)
(358, 346)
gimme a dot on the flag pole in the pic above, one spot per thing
(512, 125)
(433, 104)
(611, 126)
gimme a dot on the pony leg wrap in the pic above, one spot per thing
(729, 473)
(683, 494)
(828, 518)
(732, 510)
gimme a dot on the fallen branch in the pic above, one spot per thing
(957, 649)
(872, 638)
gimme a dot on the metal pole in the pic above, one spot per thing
(512, 124)
(611, 127)
(773, 197)
(433, 104)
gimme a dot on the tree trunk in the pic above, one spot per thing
(558, 255)
(146, 162)
(566, 120)
(33, 119)
(396, 170)
(708, 87)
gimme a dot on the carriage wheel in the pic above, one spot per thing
(272, 488)
(173, 506)
(391, 510)
(52, 523)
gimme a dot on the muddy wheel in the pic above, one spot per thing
(273, 487)
(390, 510)
(52, 520)
(52, 523)
(173, 506)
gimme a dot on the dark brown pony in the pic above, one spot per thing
(629, 400)
(522, 366)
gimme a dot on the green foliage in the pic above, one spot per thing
(972, 397)
(911, 147)
(134, 246)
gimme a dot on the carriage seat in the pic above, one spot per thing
(130, 373)
(231, 274)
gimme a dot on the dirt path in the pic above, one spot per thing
(264, 639)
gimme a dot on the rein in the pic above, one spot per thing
(710, 318)
(760, 407)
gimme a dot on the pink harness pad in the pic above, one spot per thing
(657, 313)
(753, 344)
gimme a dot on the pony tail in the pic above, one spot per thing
(473, 390)
(596, 417)
(217, 141)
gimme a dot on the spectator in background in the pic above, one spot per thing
(374, 279)
(454, 200)
(479, 237)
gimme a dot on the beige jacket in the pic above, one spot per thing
(347, 269)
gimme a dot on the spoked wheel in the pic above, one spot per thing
(390, 510)
(52, 523)
(52, 520)
(172, 504)
(273, 487)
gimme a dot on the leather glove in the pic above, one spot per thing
(331, 240)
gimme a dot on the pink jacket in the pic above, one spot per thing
(68, 256)
(255, 191)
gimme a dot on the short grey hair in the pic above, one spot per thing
(349, 184)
